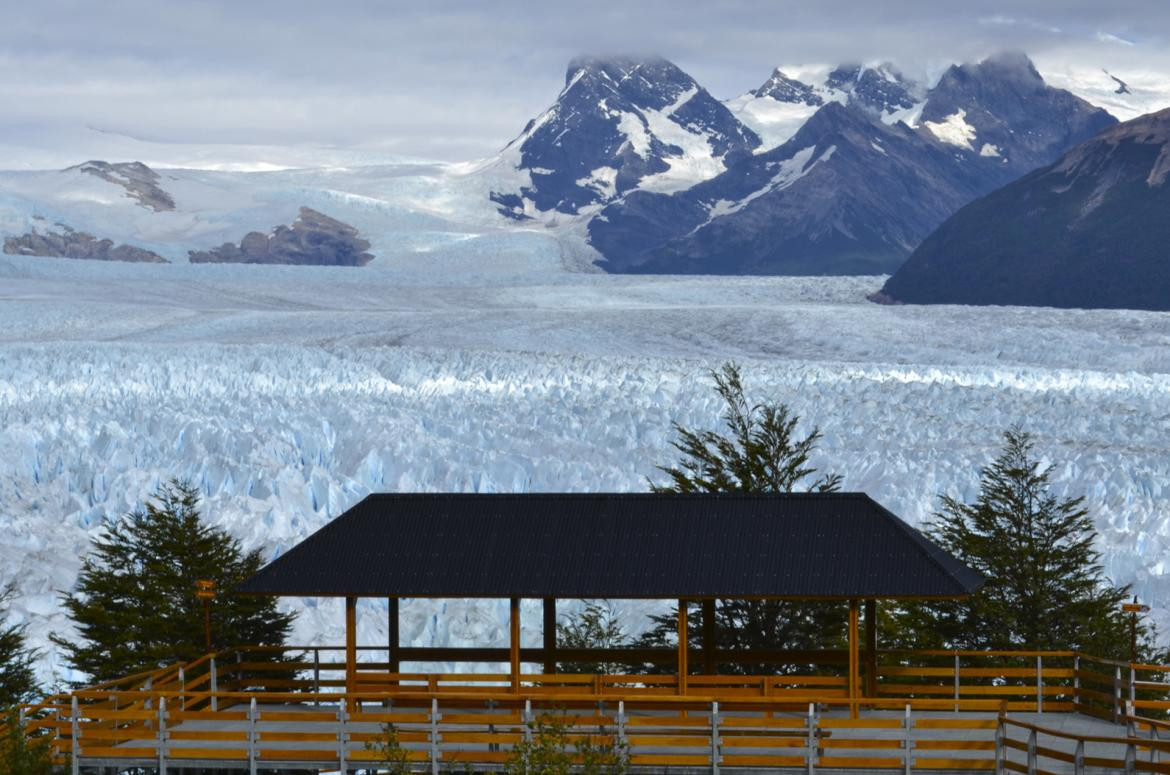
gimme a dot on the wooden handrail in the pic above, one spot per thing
(1161, 745)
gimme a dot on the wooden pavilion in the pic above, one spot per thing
(684, 547)
(258, 708)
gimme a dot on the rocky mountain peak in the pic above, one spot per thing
(618, 122)
(782, 88)
(882, 88)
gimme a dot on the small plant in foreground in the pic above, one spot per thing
(546, 751)
(391, 755)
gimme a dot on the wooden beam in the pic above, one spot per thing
(853, 659)
(665, 656)
(709, 665)
(682, 647)
(550, 635)
(350, 644)
(514, 644)
(871, 648)
(392, 641)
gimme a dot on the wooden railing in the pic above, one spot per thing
(298, 709)
(1035, 749)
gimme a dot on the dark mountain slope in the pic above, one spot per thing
(1091, 230)
(846, 195)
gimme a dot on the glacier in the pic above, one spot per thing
(474, 361)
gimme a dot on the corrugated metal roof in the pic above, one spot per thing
(617, 545)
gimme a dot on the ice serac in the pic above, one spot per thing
(847, 194)
(64, 242)
(874, 185)
(618, 123)
(1088, 231)
(313, 239)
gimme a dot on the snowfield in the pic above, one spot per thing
(472, 361)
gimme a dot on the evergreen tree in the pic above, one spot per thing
(759, 451)
(20, 753)
(18, 683)
(1046, 589)
(595, 626)
(135, 606)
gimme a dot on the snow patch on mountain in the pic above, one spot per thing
(788, 172)
(774, 121)
(954, 130)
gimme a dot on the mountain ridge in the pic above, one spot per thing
(1086, 231)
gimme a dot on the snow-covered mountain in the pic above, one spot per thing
(635, 167)
(778, 108)
(856, 188)
(620, 123)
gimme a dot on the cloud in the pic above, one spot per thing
(1106, 37)
(456, 79)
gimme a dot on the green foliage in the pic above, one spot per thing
(135, 606)
(21, 754)
(760, 451)
(594, 627)
(546, 751)
(1045, 587)
(392, 757)
(18, 682)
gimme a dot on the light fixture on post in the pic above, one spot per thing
(205, 591)
(1133, 609)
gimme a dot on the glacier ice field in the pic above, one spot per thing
(477, 362)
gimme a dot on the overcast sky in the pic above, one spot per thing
(457, 80)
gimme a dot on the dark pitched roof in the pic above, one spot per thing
(617, 545)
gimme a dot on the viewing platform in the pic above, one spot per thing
(690, 707)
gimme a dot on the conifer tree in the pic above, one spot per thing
(1045, 589)
(759, 451)
(18, 681)
(134, 606)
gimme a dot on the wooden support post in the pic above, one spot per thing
(74, 737)
(550, 635)
(392, 639)
(214, 684)
(709, 666)
(350, 645)
(682, 647)
(253, 715)
(162, 735)
(871, 648)
(854, 661)
(514, 644)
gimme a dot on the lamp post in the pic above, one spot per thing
(205, 591)
(1133, 609)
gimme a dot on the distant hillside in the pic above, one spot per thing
(1090, 230)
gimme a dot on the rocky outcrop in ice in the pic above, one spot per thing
(313, 239)
(67, 243)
